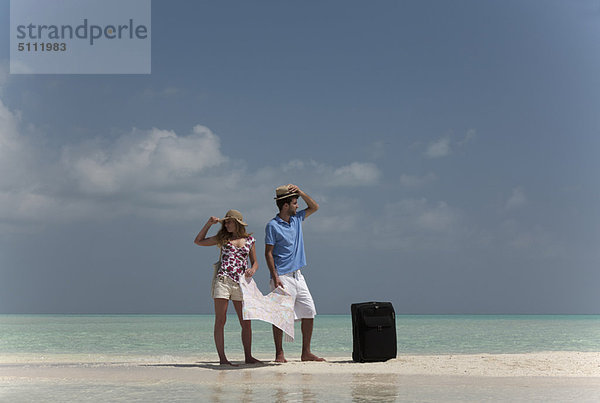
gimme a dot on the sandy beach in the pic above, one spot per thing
(545, 364)
(556, 376)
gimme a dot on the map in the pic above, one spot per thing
(276, 308)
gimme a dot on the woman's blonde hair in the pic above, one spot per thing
(224, 236)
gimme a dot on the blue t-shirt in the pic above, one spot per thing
(287, 241)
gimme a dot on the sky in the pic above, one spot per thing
(453, 148)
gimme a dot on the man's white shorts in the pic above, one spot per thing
(295, 285)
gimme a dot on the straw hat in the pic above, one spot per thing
(283, 191)
(236, 215)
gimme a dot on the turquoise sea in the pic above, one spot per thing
(191, 335)
(67, 343)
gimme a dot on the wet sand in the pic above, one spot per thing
(555, 376)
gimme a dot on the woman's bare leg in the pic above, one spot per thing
(246, 334)
(221, 305)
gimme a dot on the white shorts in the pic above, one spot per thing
(295, 285)
(224, 287)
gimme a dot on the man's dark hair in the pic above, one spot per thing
(281, 202)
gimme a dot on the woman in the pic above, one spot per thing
(236, 247)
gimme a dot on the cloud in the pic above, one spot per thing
(23, 175)
(21, 67)
(356, 174)
(3, 75)
(376, 150)
(469, 136)
(417, 224)
(413, 225)
(160, 174)
(439, 148)
(534, 241)
(151, 94)
(350, 175)
(142, 159)
(15, 151)
(8, 132)
(416, 181)
(444, 146)
(439, 218)
(155, 174)
(337, 215)
(517, 199)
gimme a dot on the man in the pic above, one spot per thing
(284, 252)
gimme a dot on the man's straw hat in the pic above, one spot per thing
(283, 191)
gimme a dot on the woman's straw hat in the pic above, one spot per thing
(236, 215)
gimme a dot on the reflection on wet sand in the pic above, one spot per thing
(374, 387)
(293, 382)
(216, 389)
(247, 388)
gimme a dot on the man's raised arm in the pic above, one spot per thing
(312, 205)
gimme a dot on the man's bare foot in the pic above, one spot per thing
(311, 357)
(228, 363)
(280, 358)
(252, 360)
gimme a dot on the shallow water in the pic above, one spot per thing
(230, 386)
(191, 335)
(82, 344)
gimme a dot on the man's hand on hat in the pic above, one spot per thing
(294, 189)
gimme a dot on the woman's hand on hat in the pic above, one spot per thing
(213, 220)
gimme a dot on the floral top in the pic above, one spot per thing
(234, 260)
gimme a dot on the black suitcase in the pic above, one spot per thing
(373, 331)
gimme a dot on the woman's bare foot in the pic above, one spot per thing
(226, 362)
(311, 357)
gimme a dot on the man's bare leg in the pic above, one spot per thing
(307, 329)
(278, 338)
